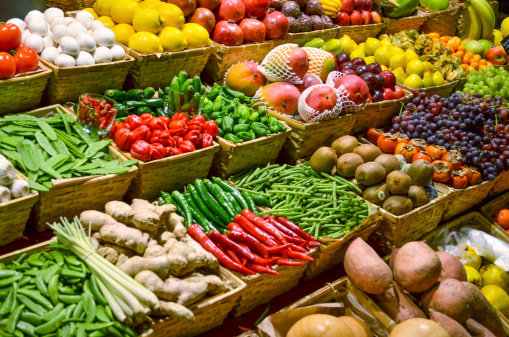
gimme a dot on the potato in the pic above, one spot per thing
(416, 267)
(366, 269)
(476, 329)
(451, 326)
(397, 305)
(451, 267)
(393, 258)
(450, 297)
(483, 312)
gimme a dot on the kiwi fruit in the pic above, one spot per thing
(398, 204)
(376, 194)
(421, 171)
(345, 144)
(323, 160)
(347, 164)
(389, 162)
(398, 182)
(368, 152)
(369, 174)
(418, 195)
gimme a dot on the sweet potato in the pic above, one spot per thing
(451, 267)
(476, 329)
(483, 312)
(393, 258)
(451, 326)
(416, 267)
(366, 269)
(450, 297)
(397, 305)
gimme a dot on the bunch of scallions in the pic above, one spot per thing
(128, 299)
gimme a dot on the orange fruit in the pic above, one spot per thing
(464, 66)
(470, 68)
(482, 62)
(433, 35)
(435, 39)
(474, 65)
(469, 54)
(462, 47)
(489, 64)
(482, 66)
(445, 38)
(477, 58)
(460, 53)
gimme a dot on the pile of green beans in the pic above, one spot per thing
(53, 294)
(322, 205)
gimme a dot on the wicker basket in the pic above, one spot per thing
(208, 314)
(70, 5)
(302, 38)
(232, 158)
(459, 201)
(394, 26)
(223, 58)
(444, 22)
(360, 33)
(306, 138)
(67, 84)
(492, 207)
(380, 114)
(24, 91)
(157, 70)
(70, 197)
(501, 183)
(444, 90)
(168, 174)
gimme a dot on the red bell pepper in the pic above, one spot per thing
(155, 137)
(256, 232)
(142, 132)
(124, 138)
(206, 140)
(194, 136)
(158, 124)
(133, 122)
(265, 225)
(158, 151)
(177, 140)
(178, 127)
(186, 146)
(172, 151)
(196, 123)
(165, 119)
(141, 150)
(146, 119)
(115, 127)
(211, 128)
(165, 138)
(198, 119)
(180, 116)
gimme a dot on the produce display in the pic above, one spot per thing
(11, 187)
(309, 15)
(488, 83)
(482, 20)
(14, 58)
(355, 13)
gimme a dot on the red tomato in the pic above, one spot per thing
(7, 66)
(10, 37)
(26, 60)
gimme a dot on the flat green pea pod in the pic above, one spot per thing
(231, 137)
(89, 307)
(53, 289)
(36, 296)
(52, 325)
(26, 328)
(14, 318)
(10, 301)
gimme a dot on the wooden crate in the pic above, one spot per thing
(459, 201)
(67, 84)
(168, 174)
(492, 207)
(223, 58)
(157, 70)
(360, 33)
(444, 22)
(444, 90)
(302, 38)
(380, 114)
(306, 138)
(233, 158)
(501, 184)
(394, 26)
(24, 91)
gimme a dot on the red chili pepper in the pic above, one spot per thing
(305, 243)
(180, 116)
(243, 261)
(141, 150)
(256, 232)
(206, 140)
(293, 227)
(262, 269)
(278, 249)
(186, 146)
(158, 124)
(293, 239)
(115, 127)
(298, 248)
(286, 262)
(313, 244)
(142, 132)
(133, 122)
(146, 119)
(265, 225)
(232, 226)
(194, 136)
(155, 137)
(165, 138)
(242, 237)
(124, 139)
(211, 128)
(299, 256)
(238, 249)
(197, 234)
(165, 119)
(232, 255)
(282, 228)
(175, 151)
(158, 151)
(178, 127)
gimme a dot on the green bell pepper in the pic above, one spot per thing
(254, 116)
(231, 137)
(121, 110)
(217, 103)
(149, 92)
(273, 125)
(135, 95)
(221, 132)
(217, 114)
(282, 127)
(264, 119)
(259, 129)
(227, 124)
(246, 135)
(240, 128)
(219, 122)
(406, 8)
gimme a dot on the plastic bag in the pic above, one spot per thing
(275, 68)
(310, 115)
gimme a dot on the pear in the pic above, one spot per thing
(427, 80)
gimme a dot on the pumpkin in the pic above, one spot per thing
(419, 327)
(320, 325)
(358, 327)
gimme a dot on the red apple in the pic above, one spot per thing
(388, 94)
(368, 5)
(356, 18)
(377, 18)
(399, 93)
(366, 17)
(347, 6)
(359, 5)
(343, 19)
(497, 55)
(390, 79)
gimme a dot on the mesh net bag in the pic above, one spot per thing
(349, 106)
(311, 115)
(317, 58)
(275, 65)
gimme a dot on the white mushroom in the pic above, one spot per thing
(85, 59)
(64, 60)
(103, 55)
(104, 37)
(69, 45)
(53, 12)
(76, 28)
(117, 52)
(59, 31)
(18, 22)
(50, 54)
(86, 18)
(86, 41)
(35, 14)
(35, 42)
(37, 26)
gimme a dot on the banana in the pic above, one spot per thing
(329, 9)
(329, 6)
(330, 3)
(485, 12)
(475, 29)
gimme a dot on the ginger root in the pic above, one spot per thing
(120, 211)
(95, 219)
(121, 235)
(108, 253)
(161, 265)
(175, 224)
(142, 214)
(173, 309)
(155, 251)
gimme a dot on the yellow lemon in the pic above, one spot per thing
(103, 7)
(415, 67)
(470, 255)
(411, 55)
(398, 61)
(148, 20)
(172, 14)
(504, 28)
(357, 53)
(107, 21)
(494, 275)
(361, 46)
(497, 37)
(473, 276)
(413, 81)
(371, 45)
(347, 43)
(123, 11)
(172, 39)
(428, 66)
(383, 55)
(369, 59)
(400, 74)
(123, 32)
(387, 42)
(497, 297)
(427, 79)
(91, 11)
(396, 50)
(438, 79)
(196, 36)
(145, 43)
(150, 4)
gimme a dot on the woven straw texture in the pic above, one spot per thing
(261, 288)
(70, 197)
(208, 314)
(23, 92)
(444, 90)
(232, 158)
(168, 174)
(394, 26)
(306, 138)
(444, 22)
(462, 200)
(67, 84)
(490, 209)
(157, 70)
(501, 183)
(379, 114)
(70, 5)
(223, 58)
(302, 38)
(360, 33)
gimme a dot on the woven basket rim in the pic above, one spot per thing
(221, 48)
(41, 71)
(313, 32)
(114, 64)
(257, 140)
(371, 26)
(176, 54)
(443, 86)
(422, 16)
(303, 125)
(408, 94)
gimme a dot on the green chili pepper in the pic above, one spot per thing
(166, 90)
(149, 92)
(246, 135)
(221, 132)
(254, 116)
(154, 102)
(144, 109)
(273, 125)
(217, 103)
(135, 95)
(264, 119)
(121, 110)
(227, 124)
(196, 84)
(217, 114)
(240, 128)
(182, 77)
(135, 104)
(259, 129)
(282, 127)
(212, 94)
(207, 108)
(233, 138)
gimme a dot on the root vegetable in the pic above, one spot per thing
(7, 172)
(19, 188)
(451, 267)
(155, 251)
(451, 326)
(483, 312)
(96, 219)
(450, 297)
(174, 310)
(161, 265)
(121, 235)
(120, 250)
(120, 211)
(108, 253)
(476, 329)
(175, 224)
(397, 305)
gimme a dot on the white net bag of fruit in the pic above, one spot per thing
(285, 63)
(349, 106)
(321, 62)
(319, 103)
